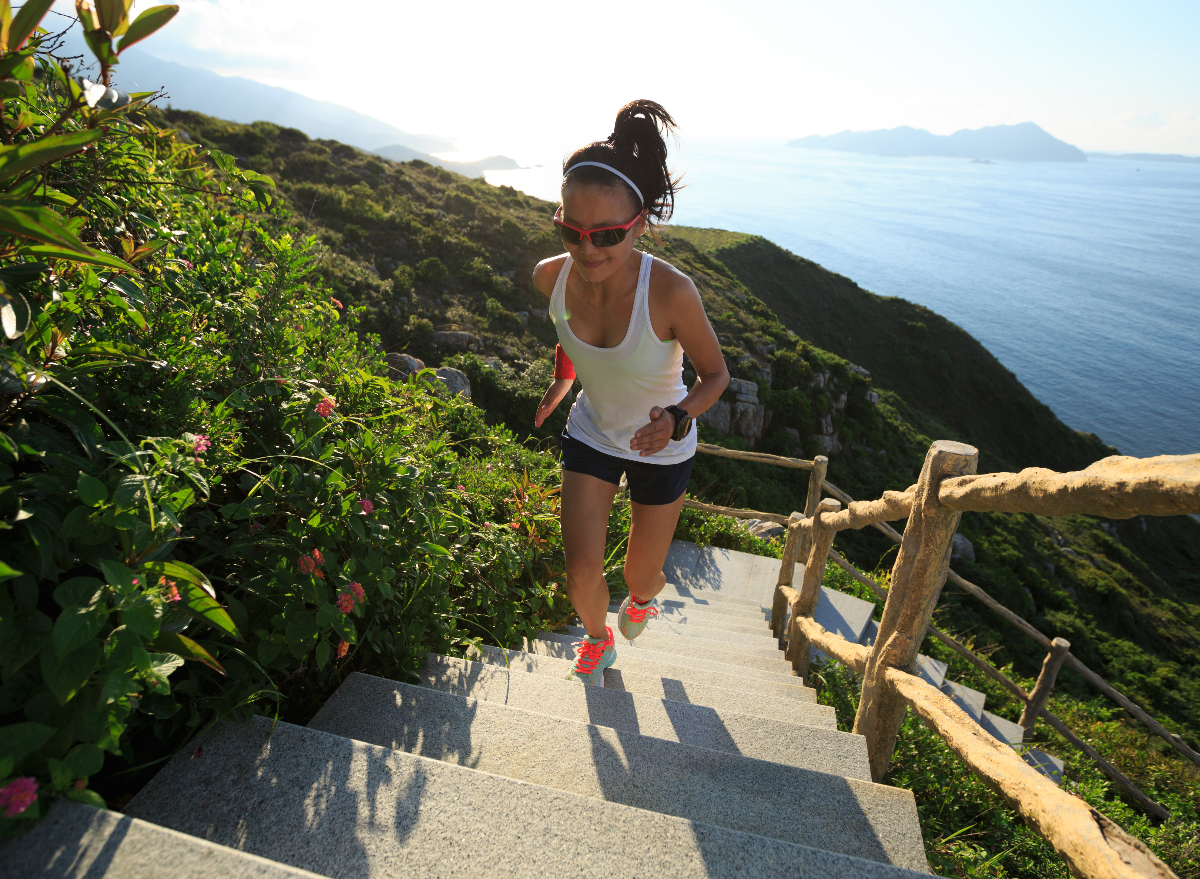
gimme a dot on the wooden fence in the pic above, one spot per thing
(1118, 487)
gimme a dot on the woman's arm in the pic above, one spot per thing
(679, 298)
(546, 272)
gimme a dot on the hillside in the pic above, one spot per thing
(1025, 142)
(430, 252)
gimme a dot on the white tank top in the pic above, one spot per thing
(622, 384)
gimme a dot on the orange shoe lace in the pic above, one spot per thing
(638, 614)
(588, 655)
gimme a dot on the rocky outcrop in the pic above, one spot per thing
(456, 381)
(456, 340)
(717, 417)
(747, 419)
(402, 365)
(962, 548)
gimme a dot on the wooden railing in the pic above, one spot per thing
(1090, 844)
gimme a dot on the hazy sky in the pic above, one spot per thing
(532, 78)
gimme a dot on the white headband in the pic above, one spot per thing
(632, 185)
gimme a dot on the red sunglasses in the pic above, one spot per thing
(604, 237)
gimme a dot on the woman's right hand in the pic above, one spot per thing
(553, 396)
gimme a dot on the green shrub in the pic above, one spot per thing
(432, 272)
(402, 280)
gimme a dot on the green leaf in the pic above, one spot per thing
(433, 549)
(323, 651)
(84, 760)
(77, 626)
(180, 571)
(118, 576)
(181, 645)
(20, 739)
(88, 796)
(91, 490)
(26, 21)
(67, 675)
(89, 256)
(14, 313)
(146, 24)
(80, 422)
(142, 619)
(17, 159)
(25, 219)
(117, 685)
(7, 573)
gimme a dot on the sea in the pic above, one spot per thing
(1082, 278)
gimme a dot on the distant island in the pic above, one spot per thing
(1025, 142)
(1147, 157)
(398, 152)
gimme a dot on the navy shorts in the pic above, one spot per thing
(649, 484)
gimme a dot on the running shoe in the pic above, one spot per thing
(632, 617)
(592, 658)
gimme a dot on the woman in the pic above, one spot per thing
(624, 321)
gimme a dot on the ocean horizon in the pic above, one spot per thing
(1083, 278)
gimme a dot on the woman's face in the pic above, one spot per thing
(589, 206)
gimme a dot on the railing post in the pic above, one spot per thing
(787, 570)
(1059, 648)
(917, 580)
(820, 541)
(816, 483)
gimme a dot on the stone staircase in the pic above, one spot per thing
(703, 755)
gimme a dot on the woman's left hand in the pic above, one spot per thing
(655, 435)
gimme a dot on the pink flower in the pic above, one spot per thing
(188, 264)
(136, 581)
(80, 783)
(307, 565)
(366, 506)
(18, 795)
(515, 525)
(255, 527)
(335, 302)
(317, 557)
(343, 649)
(357, 589)
(325, 407)
(173, 594)
(463, 490)
(345, 602)
(202, 444)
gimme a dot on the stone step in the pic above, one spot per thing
(849, 817)
(790, 688)
(677, 616)
(933, 671)
(806, 746)
(719, 638)
(351, 810)
(751, 611)
(75, 841)
(743, 702)
(1047, 764)
(561, 647)
(969, 700)
(769, 659)
(1004, 730)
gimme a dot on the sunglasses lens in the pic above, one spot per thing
(569, 236)
(608, 237)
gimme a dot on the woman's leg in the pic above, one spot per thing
(586, 502)
(649, 540)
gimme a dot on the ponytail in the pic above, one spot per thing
(637, 149)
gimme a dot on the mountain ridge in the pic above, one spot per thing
(1025, 142)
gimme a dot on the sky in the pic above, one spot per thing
(533, 78)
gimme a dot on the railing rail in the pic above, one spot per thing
(1090, 844)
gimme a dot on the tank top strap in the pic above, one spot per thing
(558, 296)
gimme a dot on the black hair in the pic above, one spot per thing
(637, 148)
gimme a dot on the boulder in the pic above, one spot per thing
(540, 314)
(840, 402)
(767, 530)
(827, 444)
(456, 340)
(523, 317)
(743, 391)
(872, 397)
(717, 417)
(860, 371)
(826, 424)
(401, 365)
(819, 379)
(747, 419)
(456, 381)
(962, 549)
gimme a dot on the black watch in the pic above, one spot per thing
(683, 422)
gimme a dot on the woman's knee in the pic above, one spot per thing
(640, 579)
(582, 575)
